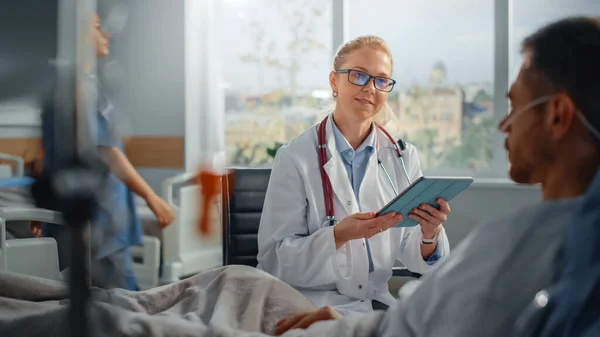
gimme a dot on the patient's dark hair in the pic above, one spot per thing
(565, 57)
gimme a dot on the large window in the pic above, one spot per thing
(529, 15)
(277, 58)
(453, 61)
(444, 67)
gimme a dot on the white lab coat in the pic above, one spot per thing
(297, 248)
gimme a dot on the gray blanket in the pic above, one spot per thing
(224, 302)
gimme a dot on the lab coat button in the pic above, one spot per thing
(349, 202)
(359, 286)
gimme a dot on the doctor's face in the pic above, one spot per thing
(527, 143)
(356, 101)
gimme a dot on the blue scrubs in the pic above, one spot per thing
(116, 225)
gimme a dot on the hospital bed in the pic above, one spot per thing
(185, 252)
(5, 169)
(32, 256)
(39, 256)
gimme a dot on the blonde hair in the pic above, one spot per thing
(384, 115)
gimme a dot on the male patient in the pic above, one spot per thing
(552, 140)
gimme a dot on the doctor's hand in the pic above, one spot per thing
(430, 218)
(363, 225)
(302, 320)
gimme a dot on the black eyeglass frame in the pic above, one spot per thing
(349, 71)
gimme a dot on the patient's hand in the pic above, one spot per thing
(302, 320)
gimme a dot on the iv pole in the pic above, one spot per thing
(70, 182)
(43, 47)
(45, 60)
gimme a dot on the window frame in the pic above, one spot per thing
(340, 32)
(499, 164)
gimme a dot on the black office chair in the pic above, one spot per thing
(242, 210)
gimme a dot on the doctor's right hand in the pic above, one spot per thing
(363, 225)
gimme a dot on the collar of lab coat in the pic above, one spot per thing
(344, 147)
(340, 183)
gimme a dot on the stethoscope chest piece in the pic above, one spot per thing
(328, 189)
(330, 221)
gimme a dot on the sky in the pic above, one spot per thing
(460, 33)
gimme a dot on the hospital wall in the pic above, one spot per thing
(147, 62)
(148, 59)
(151, 52)
(486, 200)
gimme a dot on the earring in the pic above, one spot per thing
(334, 94)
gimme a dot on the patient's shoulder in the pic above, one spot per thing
(552, 215)
(527, 235)
(498, 267)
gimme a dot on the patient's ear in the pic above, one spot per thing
(561, 112)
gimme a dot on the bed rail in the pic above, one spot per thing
(19, 163)
(28, 214)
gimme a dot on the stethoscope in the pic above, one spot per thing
(328, 190)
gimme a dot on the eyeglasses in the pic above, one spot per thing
(361, 78)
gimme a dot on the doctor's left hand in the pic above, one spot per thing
(430, 218)
(161, 210)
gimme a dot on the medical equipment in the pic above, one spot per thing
(49, 67)
(34, 257)
(328, 190)
(425, 190)
(19, 165)
(15, 199)
(510, 119)
(184, 252)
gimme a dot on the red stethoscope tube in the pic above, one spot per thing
(322, 148)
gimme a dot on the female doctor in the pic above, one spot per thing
(345, 169)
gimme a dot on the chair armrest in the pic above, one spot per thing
(403, 271)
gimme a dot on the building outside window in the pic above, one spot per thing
(450, 59)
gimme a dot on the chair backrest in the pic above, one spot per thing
(242, 210)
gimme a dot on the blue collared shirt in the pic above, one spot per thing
(355, 162)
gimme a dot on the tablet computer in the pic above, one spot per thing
(424, 190)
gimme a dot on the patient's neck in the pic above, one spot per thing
(570, 178)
